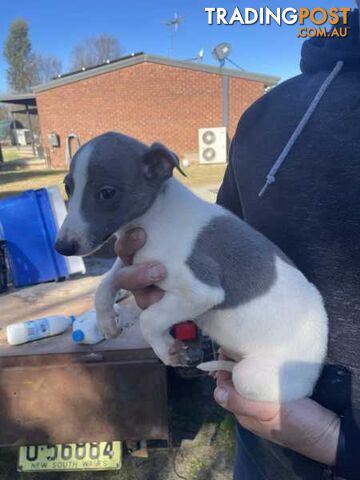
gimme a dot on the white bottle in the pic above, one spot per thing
(85, 329)
(24, 332)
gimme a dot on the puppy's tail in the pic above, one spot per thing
(216, 365)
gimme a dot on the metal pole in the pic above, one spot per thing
(31, 130)
(1, 155)
(225, 93)
(14, 130)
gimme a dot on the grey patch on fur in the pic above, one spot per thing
(230, 254)
(115, 160)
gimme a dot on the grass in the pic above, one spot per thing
(11, 153)
(15, 182)
(198, 175)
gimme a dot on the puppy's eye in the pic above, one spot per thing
(106, 193)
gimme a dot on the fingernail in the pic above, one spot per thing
(221, 396)
(155, 272)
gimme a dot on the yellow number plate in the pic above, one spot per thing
(70, 456)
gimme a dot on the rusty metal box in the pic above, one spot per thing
(75, 398)
(54, 391)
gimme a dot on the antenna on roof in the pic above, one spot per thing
(221, 53)
(199, 57)
(173, 24)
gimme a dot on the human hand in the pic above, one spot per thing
(139, 279)
(303, 425)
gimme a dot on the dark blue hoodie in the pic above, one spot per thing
(312, 212)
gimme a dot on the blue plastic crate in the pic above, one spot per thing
(29, 228)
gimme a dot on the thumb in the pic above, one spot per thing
(228, 398)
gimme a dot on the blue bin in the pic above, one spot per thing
(29, 228)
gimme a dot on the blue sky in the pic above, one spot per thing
(57, 25)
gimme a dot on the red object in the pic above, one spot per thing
(186, 331)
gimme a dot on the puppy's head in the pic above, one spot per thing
(113, 179)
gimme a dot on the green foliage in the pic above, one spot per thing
(226, 432)
(17, 51)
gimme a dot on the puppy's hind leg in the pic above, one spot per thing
(272, 378)
(157, 320)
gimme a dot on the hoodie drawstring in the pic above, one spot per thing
(270, 178)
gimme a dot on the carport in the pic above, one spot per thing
(27, 105)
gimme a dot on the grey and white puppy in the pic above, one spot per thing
(239, 288)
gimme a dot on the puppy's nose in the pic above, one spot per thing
(66, 247)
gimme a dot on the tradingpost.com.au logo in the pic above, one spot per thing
(336, 17)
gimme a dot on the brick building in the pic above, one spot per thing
(148, 97)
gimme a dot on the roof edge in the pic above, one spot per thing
(268, 80)
(17, 96)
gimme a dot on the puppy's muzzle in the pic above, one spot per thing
(66, 247)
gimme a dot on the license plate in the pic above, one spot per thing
(70, 456)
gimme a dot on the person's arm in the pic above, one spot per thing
(228, 195)
(303, 425)
(337, 446)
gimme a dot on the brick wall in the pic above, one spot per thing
(149, 101)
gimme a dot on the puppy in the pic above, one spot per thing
(239, 288)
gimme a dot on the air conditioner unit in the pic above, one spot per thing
(212, 145)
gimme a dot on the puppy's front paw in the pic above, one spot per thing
(108, 323)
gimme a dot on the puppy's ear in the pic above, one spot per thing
(159, 162)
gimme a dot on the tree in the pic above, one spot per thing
(95, 50)
(44, 68)
(17, 52)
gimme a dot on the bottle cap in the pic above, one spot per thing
(72, 319)
(78, 336)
